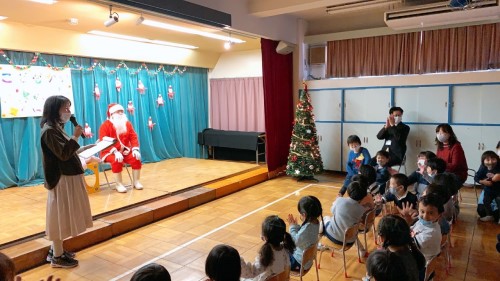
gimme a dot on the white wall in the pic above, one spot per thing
(238, 64)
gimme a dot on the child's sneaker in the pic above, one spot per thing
(63, 262)
(50, 255)
(486, 218)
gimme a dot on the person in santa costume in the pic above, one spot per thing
(125, 150)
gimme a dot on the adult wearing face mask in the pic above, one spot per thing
(450, 150)
(125, 150)
(394, 133)
(68, 207)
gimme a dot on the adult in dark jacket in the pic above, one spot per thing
(394, 133)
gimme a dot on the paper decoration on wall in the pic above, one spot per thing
(159, 101)
(130, 107)
(23, 91)
(87, 131)
(150, 123)
(140, 87)
(118, 84)
(170, 92)
(97, 92)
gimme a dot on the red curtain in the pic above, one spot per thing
(277, 72)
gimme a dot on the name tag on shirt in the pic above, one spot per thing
(388, 142)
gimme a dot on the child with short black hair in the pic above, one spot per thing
(398, 192)
(384, 265)
(486, 177)
(417, 177)
(370, 174)
(382, 170)
(151, 272)
(346, 211)
(305, 235)
(274, 255)
(426, 231)
(395, 236)
(358, 156)
(435, 166)
(223, 264)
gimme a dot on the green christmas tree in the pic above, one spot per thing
(304, 159)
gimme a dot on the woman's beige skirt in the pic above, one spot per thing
(68, 208)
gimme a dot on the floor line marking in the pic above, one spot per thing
(207, 234)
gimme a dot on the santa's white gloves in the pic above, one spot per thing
(136, 154)
(118, 156)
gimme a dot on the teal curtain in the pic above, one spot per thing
(177, 122)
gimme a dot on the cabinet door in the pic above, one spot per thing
(326, 104)
(490, 137)
(490, 104)
(412, 148)
(423, 104)
(330, 145)
(466, 104)
(367, 104)
(470, 139)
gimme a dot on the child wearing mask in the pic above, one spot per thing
(486, 177)
(417, 177)
(398, 192)
(426, 231)
(358, 156)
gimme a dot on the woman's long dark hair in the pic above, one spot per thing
(447, 129)
(51, 110)
(274, 232)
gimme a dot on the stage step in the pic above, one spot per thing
(32, 253)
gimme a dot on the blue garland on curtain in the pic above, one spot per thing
(177, 121)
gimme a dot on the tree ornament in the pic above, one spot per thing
(97, 92)
(130, 107)
(118, 84)
(170, 92)
(140, 87)
(87, 131)
(150, 123)
(159, 101)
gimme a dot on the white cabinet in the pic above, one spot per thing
(327, 105)
(423, 104)
(367, 133)
(330, 144)
(478, 104)
(367, 104)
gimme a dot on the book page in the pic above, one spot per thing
(103, 144)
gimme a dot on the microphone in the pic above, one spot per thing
(72, 119)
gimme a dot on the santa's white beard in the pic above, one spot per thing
(119, 122)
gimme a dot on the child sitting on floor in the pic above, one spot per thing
(274, 255)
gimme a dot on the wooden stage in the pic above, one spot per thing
(23, 208)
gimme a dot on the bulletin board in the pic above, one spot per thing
(23, 91)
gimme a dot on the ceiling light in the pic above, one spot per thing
(2, 17)
(140, 39)
(50, 2)
(113, 17)
(359, 5)
(73, 21)
(190, 31)
(139, 20)
(227, 45)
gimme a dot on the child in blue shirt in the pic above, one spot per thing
(358, 156)
(485, 176)
(382, 169)
(417, 177)
(306, 234)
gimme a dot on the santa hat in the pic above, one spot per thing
(114, 107)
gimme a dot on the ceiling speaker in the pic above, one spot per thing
(285, 48)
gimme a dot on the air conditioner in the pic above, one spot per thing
(441, 14)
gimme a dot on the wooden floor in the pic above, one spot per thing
(23, 208)
(181, 242)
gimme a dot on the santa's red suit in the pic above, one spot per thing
(126, 143)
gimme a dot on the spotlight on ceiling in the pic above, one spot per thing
(113, 17)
